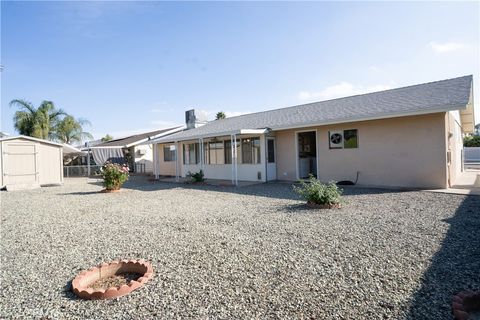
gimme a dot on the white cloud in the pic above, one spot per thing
(447, 46)
(343, 89)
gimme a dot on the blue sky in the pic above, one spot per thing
(131, 67)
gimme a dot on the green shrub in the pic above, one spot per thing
(313, 191)
(471, 141)
(196, 177)
(114, 175)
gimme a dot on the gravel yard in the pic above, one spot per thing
(250, 252)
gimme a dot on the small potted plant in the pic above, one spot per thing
(197, 177)
(319, 195)
(114, 176)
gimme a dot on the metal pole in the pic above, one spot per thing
(88, 163)
(176, 162)
(200, 142)
(233, 157)
(155, 160)
(236, 162)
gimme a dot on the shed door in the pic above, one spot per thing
(20, 165)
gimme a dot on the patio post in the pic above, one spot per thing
(88, 162)
(155, 161)
(231, 150)
(234, 158)
(176, 162)
(202, 151)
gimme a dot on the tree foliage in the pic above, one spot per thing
(471, 141)
(220, 115)
(48, 122)
(107, 138)
(36, 122)
(70, 130)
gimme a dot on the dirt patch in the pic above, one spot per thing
(114, 281)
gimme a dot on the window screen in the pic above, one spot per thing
(168, 153)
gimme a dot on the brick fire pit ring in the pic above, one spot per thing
(82, 283)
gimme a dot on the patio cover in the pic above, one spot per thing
(101, 155)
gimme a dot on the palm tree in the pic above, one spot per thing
(38, 123)
(69, 130)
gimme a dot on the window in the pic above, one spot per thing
(228, 150)
(271, 151)
(169, 153)
(190, 153)
(350, 139)
(251, 150)
(215, 153)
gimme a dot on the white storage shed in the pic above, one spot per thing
(27, 163)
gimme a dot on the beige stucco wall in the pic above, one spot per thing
(1, 165)
(404, 152)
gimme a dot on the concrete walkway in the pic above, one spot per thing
(213, 182)
(467, 183)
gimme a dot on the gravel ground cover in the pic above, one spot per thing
(250, 252)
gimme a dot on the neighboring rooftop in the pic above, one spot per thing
(137, 138)
(438, 96)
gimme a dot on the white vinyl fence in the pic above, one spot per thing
(471, 157)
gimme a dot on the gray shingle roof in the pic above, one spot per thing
(444, 95)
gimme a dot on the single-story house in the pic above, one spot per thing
(27, 163)
(404, 137)
(139, 156)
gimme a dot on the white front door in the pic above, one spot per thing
(271, 160)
